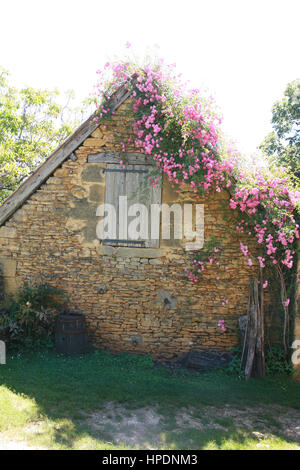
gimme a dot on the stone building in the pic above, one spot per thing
(136, 297)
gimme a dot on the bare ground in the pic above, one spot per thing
(142, 427)
(10, 444)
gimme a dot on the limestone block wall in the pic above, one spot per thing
(138, 299)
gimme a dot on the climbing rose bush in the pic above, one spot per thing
(267, 206)
(180, 129)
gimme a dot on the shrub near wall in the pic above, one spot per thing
(28, 320)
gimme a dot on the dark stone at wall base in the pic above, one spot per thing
(206, 359)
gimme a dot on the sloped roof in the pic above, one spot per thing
(31, 184)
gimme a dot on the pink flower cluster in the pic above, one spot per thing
(221, 325)
(276, 231)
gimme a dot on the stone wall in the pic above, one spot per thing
(140, 299)
(8, 264)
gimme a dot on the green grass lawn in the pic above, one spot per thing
(110, 401)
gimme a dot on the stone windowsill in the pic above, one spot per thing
(131, 252)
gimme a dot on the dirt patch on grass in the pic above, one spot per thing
(146, 427)
(6, 443)
(290, 422)
(140, 427)
(270, 418)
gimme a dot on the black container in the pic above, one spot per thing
(71, 334)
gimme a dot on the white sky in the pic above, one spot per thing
(244, 51)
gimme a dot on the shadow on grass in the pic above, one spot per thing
(67, 389)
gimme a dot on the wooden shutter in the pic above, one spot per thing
(132, 182)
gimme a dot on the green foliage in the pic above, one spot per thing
(28, 321)
(282, 145)
(41, 295)
(212, 247)
(32, 124)
(275, 360)
(209, 253)
(234, 367)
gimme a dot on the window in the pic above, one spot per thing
(130, 194)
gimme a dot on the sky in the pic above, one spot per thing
(244, 52)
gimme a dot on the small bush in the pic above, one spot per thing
(234, 367)
(29, 319)
(276, 362)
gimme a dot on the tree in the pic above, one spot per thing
(282, 145)
(32, 124)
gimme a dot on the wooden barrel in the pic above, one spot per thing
(71, 334)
